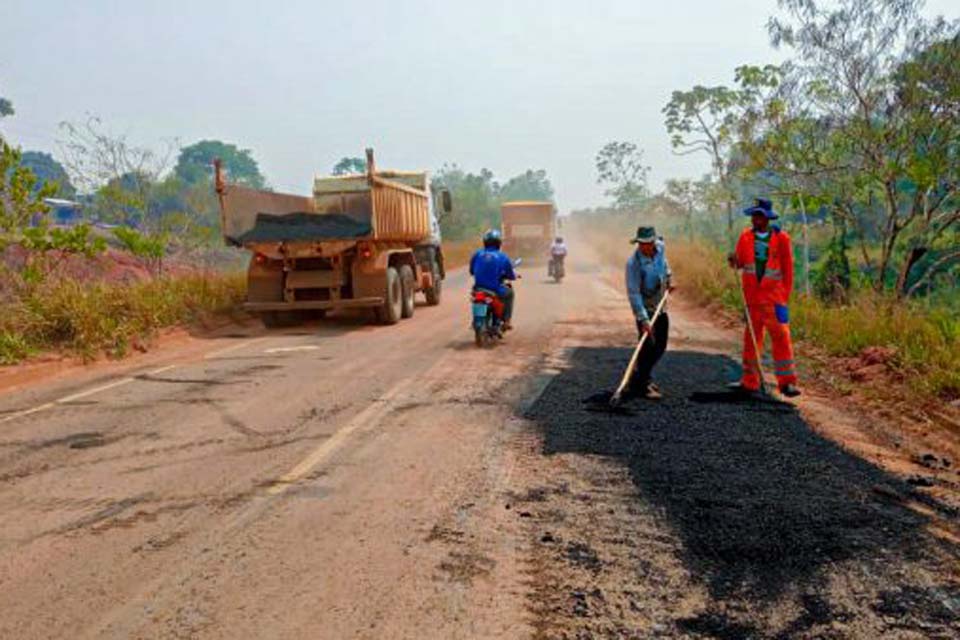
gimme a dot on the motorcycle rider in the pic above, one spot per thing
(490, 267)
(558, 251)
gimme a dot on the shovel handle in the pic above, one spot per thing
(636, 352)
(753, 336)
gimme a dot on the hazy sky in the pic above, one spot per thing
(504, 85)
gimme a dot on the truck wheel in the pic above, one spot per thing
(407, 288)
(392, 307)
(433, 293)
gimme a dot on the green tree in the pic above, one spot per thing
(476, 205)
(871, 89)
(705, 120)
(23, 218)
(620, 167)
(6, 107)
(21, 194)
(49, 171)
(349, 165)
(529, 185)
(195, 163)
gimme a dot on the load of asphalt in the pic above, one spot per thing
(766, 517)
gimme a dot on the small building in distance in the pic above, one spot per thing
(64, 213)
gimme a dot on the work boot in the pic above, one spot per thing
(790, 391)
(507, 326)
(652, 392)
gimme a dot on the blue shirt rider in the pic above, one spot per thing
(490, 267)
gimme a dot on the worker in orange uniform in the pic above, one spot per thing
(764, 255)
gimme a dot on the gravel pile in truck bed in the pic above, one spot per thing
(293, 227)
(731, 521)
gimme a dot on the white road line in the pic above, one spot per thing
(90, 392)
(306, 347)
(81, 394)
(161, 370)
(233, 347)
(25, 412)
(370, 415)
(115, 384)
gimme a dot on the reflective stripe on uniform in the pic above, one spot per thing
(783, 367)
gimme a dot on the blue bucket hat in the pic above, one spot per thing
(763, 207)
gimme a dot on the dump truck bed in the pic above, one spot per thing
(388, 206)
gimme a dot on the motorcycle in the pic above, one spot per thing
(555, 268)
(488, 314)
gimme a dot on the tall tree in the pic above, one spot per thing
(620, 167)
(529, 185)
(121, 174)
(349, 165)
(195, 163)
(48, 170)
(874, 82)
(705, 120)
(684, 193)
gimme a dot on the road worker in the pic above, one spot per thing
(764, 255)
(648, 279)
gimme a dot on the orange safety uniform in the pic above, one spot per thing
(767, 300)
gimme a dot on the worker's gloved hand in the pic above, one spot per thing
(643, 325)
(732, 261)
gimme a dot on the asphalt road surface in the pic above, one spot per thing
(343, 480)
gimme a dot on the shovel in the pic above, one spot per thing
(753, 338)
(617, 395)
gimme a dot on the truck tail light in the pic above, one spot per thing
(259, 258)
(365, 251)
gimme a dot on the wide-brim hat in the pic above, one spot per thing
(762, 206)
(644, 235)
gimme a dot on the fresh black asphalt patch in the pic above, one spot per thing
(762, 509)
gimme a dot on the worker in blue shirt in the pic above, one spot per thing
(648, 280)
(490, 267)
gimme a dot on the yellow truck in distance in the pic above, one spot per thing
(528, 229)
(359, 241)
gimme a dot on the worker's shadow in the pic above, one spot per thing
(759, 502)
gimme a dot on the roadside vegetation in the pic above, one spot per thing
(856, 139)
(93, 318)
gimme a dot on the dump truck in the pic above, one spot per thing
(368, 240)
(528, 229)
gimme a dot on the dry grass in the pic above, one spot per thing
(93, 317)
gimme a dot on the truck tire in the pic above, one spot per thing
(433, 293)
(407, 288)
(390, 311)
